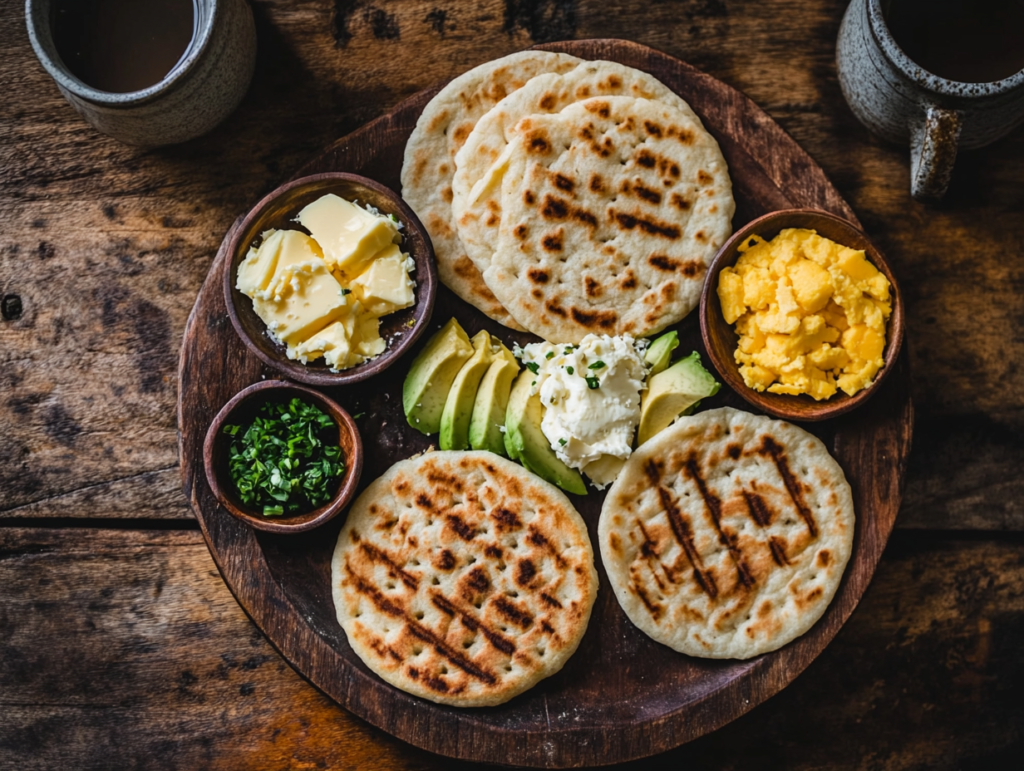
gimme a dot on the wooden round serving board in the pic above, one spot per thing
(621, 696)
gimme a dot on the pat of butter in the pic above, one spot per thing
(351, 340)
(306, 298)
(385, 286)
(348, 234)
(280, 249)
(370, 342)
(334, 342)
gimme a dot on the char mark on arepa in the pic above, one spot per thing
(778, 547)
(559, 209)
(473, 624)
(649, 226)
(762, 514)
(714, 506)
(649, 551)
(682, 531)
(464, 531)
(382, 557)
(653, 608)
(390, 608)
(513, 613)
(759, 509)
(772, 449)
(537, 538)
(603, 319)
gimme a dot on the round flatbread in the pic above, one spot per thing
(726, 535)
(544, 94)
(462, 578)
(429, 163)
(610, 213)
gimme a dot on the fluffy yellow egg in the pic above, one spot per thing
(810, 314)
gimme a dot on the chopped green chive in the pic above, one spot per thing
(570, 370)
(533, 366)
(562, 442)
(596, 365)
(593, 382)
(569, 349)
(549, 355)
(281, 464)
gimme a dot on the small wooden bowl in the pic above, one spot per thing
(240, 411)
(720, 338)
(278, 210)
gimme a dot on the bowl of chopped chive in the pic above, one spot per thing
(282, 457)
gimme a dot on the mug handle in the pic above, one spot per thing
(933, 146)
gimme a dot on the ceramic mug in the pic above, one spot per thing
(900, 101)
(200, 91)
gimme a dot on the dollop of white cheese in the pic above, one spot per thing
(591, 398)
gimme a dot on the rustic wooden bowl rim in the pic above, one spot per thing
(417, 243)
(796, 408)
(216, 471)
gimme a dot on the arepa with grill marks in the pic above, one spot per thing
(429, 162)
(610, 213)
(726, 535)
(462, 578)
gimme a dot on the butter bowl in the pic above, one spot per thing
(278, 211)
(721, 340)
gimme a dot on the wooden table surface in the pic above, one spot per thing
(120, 646)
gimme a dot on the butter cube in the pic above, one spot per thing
(334, 342)
(385, 286)
(280, 251)
(348, 234)
(370, 342)
(306, 299)
(256, 271)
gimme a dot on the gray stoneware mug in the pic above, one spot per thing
(200, 91)
(900, 101)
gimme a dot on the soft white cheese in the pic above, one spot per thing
(590, 429)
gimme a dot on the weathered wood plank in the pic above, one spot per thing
(106, 246)
(126, 644)
(149, 494)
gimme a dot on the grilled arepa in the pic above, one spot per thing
(610, 212)
(726, 535)
(429, 163)
(462, 578)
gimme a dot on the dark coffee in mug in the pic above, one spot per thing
(122, 46)
(970, 41)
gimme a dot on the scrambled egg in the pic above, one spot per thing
(810, 314)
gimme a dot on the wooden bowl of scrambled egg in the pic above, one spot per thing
(330, 279)
(801, 315)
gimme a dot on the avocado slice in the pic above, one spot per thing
(674, 392)
(659, 354)
(430, 377)
(458, 408)
(492, 402)
(525, 441)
